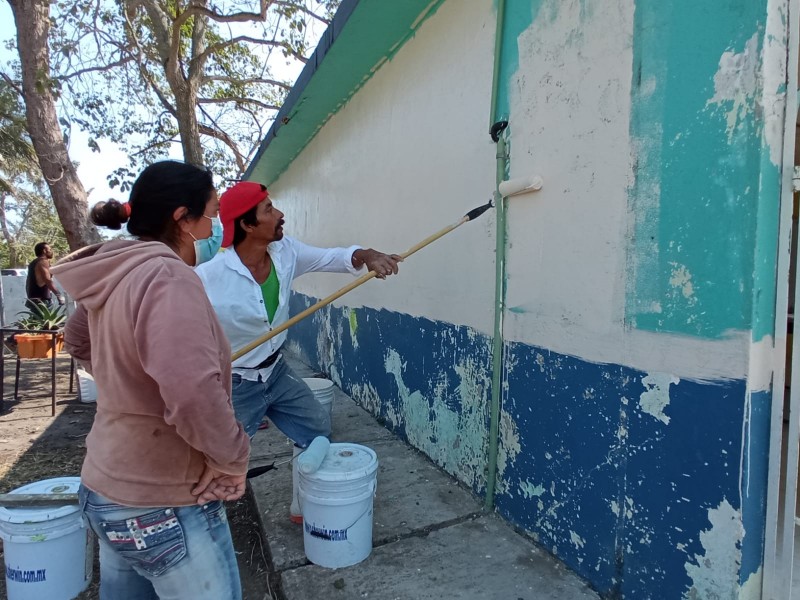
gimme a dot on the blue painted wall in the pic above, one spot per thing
(630, 502)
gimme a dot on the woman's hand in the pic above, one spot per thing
(216, 485)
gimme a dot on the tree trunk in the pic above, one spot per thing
(188, 127)
(32, 19)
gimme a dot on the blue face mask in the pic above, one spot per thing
(206, 249)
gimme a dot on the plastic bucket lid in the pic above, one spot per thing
(37, 523)
(346, 462)
(59, 485)
(318, 384)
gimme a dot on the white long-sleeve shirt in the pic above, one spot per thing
(239, 302)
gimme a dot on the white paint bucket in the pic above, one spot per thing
(48, 551)
(323, 391)
(337, 506)
(87, 390)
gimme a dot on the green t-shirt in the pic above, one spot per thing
(270, 290)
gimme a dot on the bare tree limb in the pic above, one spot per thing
(218, 133)
(303, 9)
(107, 67)
(154, 144)
(145, 74)
(213, 48)
(227, 140)
(240, 17)
(237, 100)
(228, 79)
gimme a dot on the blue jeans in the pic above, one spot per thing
(286, 400)
(170, 553)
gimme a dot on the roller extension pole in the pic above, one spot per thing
(470, 216)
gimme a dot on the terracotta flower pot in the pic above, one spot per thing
(37, 345)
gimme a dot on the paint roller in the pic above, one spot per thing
(310, 460)
(510, 187)
(520, 185)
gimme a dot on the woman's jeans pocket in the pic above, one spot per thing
(151, 540)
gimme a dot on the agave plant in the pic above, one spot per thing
(43, 317)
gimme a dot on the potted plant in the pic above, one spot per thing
(40, 316)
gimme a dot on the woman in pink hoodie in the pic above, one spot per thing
(165, 448)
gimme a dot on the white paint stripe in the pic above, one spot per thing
(693, 359)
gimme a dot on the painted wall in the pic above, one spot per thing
(634, 424)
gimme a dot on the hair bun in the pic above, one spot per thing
(111, 214)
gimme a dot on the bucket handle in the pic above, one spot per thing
(359, 517)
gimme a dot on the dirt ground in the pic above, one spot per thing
(36, 446)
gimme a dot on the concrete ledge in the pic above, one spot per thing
(478, 559)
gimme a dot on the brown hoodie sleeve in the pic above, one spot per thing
(76, 337)
(178, 342)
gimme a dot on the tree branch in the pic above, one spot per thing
(303, 9)
(237, 100)
(217, 133)
(79, 72)
(240, 17)
(9, 81)
(154, 144)
(244, 38)
(227, 79)
(143, 70)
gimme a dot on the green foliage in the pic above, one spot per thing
(27, 215)
(16, 151)
(41, 316)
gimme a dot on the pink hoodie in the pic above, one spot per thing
(162, 366)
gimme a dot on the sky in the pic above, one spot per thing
(93, 167)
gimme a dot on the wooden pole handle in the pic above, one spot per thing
(26, 500)
(341, 292)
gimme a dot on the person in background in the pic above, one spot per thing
(40, 287)
(249, 286)
(165, 448)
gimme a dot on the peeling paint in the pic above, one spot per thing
(508, 449)
(735, 84)
(531, 490)
(655, 398)
(715, 572)
(566, 467)
(454, 440)
(576, 540)
(366, 396)
(774, 67)
(681, 278)
(699, 169)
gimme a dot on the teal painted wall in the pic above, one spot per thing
(518, 17)
(699, 169)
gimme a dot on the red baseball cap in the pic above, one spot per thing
(236, 201)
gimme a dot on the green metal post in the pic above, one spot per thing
(500, 269)
(497, 342)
